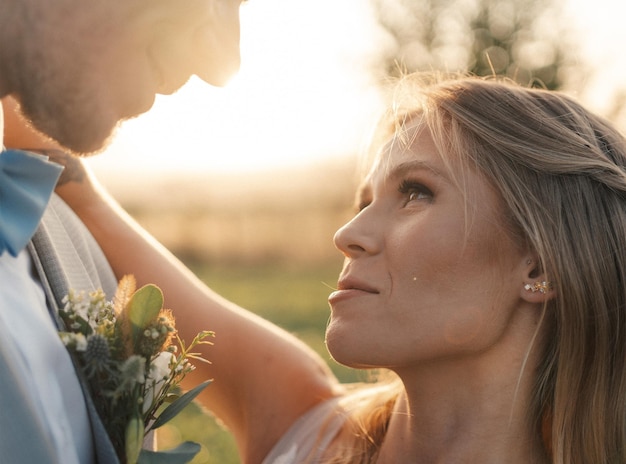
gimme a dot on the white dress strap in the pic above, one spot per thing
(308, 437)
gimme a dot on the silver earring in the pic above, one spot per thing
(541, 287)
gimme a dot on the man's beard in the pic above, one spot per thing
(64, 100)
(77, 122)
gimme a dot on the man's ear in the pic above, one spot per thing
(536, 286)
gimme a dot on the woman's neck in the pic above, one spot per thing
(475, 434)
(466, 410)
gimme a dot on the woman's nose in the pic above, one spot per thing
(359, 236)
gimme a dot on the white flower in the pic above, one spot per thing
(66, 338)
(90, 308)
(76, 340)
(79, 305)
(81, 342)
(160, 372)
(133, 370)
(160, 366)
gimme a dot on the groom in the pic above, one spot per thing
(77, 68)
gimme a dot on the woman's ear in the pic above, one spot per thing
(535, 287)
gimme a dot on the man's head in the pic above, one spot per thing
(78, 68)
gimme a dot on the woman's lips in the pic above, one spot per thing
(351, 288)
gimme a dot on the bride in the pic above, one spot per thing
(484, 270)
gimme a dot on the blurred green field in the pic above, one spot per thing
(262, 241)
(293, 297)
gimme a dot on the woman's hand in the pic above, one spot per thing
(77, 185)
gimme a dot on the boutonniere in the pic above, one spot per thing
(133, 359)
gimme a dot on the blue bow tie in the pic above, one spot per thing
(26, 183)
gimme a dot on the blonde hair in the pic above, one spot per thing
(367, 408)
(561, 174)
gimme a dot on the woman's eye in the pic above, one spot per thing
(415, 191)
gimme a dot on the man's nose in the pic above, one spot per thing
(216, 52)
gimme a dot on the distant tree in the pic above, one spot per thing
(526, 40)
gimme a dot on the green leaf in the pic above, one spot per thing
(145, 305)
(182, 454)
(177, 406)
(134, 438)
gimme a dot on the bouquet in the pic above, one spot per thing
(133, 360)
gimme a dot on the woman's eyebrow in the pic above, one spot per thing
(403, 169)
(364, 192)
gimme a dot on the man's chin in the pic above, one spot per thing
(85, 142)
(81, 136)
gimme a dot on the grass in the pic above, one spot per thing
(292, 297)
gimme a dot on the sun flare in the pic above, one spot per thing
(304, 93)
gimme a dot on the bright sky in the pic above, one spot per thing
(303, 93)
(602, 25)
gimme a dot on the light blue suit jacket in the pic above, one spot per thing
(65, 256)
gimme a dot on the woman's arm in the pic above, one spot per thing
(264, 378)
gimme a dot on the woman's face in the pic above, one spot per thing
(427, 275)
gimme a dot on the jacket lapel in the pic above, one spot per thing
(59, 271)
